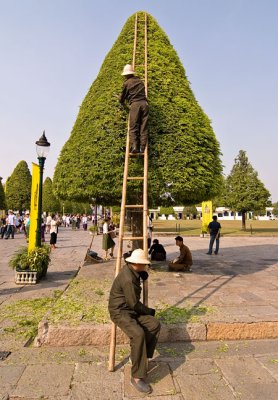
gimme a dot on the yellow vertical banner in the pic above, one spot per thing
(34, 207)
(206, 215)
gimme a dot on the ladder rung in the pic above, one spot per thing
(134, 206)
(133, 238)
(136, 154)
(135, 178)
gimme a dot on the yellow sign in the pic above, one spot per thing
(34, 211)
(206, 215)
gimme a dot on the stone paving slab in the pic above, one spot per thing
(196, 371)
(44, 380)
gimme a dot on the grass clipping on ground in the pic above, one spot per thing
(84, 301)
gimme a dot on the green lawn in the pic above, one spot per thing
(187, 227)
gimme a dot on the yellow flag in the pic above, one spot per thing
(206, 215)
(34, 211)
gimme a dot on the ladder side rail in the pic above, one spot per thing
(113, 338)
(145, 181)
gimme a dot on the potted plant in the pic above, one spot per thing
(30, 266)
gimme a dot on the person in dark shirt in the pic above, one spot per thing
(134, 92)
(214, 230)
(157, 251)
(134, 318)
(184, 261)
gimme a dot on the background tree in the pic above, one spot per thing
(3, 204)
(243, 190)
(50, 203)
(190, 211)
(184, 155)
(167, 211)
(18, 188)
(275, 208)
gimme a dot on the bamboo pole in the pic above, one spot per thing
(111, 363)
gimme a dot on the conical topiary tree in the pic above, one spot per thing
(18, 187)
(50, 203)
(184, 155)
(2, 196)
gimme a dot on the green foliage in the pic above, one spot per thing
(167, 211)
(243, 189)
(36, 260)
(18, 188)
(50, 203)
(74, 207)
(3, 204)
(184, 155)
(190, 210)
(275, 208)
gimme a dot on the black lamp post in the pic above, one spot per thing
(42, 152)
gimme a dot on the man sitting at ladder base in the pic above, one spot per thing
(134, 92)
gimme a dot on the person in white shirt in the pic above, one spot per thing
(11, 225)
(85, 222)
(53, 232)
(48, 223)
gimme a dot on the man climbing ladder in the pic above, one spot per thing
(134, 92)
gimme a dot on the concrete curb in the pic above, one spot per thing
(99, 335)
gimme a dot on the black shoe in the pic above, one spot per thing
(142, 149)
(134, 150)
(216, 252)
(209, 253)
(141, 386)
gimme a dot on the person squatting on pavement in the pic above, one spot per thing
(134, 318)
(184, 261)
(134, 92)
(214, 230)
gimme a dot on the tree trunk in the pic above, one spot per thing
(243, 221)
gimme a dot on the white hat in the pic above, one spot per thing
(128, 70)
(138, 257)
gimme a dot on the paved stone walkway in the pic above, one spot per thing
(240, 284)
(184, 371)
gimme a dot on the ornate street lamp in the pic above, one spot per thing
(42, 147)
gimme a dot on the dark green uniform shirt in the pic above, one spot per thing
(125, 295)
(133, 90)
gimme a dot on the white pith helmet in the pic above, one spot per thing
(128, 70)
(138, 257)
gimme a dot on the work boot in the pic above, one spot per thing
(141, 385)
(134, 149)
(142, 149)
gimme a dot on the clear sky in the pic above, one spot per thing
(51, 52)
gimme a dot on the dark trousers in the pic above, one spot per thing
(138, 123)
(143, 332)
(211, 242)
(10, 231)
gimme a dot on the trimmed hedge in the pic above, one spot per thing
(184, 155)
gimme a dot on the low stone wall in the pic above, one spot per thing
(99, 335)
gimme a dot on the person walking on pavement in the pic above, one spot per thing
(184, 261)
(135, 319)
(53, 232)
(214, 230)
(134, 92)
(11, 225)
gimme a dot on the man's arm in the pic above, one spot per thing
(133, 302)
(123, 96)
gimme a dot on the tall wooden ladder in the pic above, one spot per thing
(139, 53)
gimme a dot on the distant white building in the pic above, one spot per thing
(223, 213)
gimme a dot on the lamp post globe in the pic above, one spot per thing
(42, 148)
